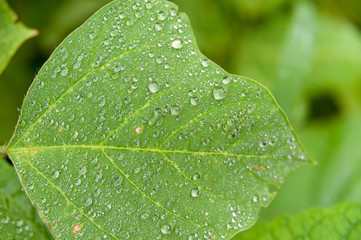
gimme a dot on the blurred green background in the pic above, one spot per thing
(308, 53)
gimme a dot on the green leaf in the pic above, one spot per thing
(18, 218)
(342, 221)
(12, 35)
(128, 131)
(331, 65)
(295, 62)
(334, 145)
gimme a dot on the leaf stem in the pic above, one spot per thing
(3, 152)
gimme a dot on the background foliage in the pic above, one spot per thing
(307, 52)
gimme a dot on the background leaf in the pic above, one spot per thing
(335, 146)
(136, 134)
(54, 20)
(12, 34)
(342, 221)
(18, 218)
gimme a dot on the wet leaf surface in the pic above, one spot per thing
(128, 131)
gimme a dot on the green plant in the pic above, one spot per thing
(129, 132)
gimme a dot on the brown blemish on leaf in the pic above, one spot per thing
(56, 222)
(138, 129)
(33, 151)
(48, 225)
(260, 167)
(77, 228)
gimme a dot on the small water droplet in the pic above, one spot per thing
(82, 171)
(158, 27)
(196, 176)
(175, 110)
(177, 44)
(194, 100)
(56, 174)
(161, 15)
(64, 72)
(195, 192)
(226, 80)
(148, 5)
(173, 12)
(205, 63)
(219, 93)
(166, 229)
(153, 87)
(19, 223)
(88, 202)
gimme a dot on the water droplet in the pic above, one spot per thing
(166, 229)
(226, 80)
(19, 223)
(153, 87)
(255, 198)
(88, 202)
(194, 100)
(196, 176)
(173, 12)
(91, 35)
(161, 15)
(158, 27)
(64, 72)
(4, 219)
(195, 192)
(148, 5)
(219, 93)
(56, 174)
(175, 110)
(102, 103)
(177, 43)
(82, 171)
(205, 63)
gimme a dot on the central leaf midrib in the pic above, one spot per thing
(97, 147)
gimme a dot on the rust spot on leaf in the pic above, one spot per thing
(138, 129)
(77, 228)
(260, 167)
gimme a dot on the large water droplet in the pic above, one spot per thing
(196, 176)
(153, 87)
(166, 229)
(175, 110)
(82, 171)
(226, 80)
(161, 15)
(205, 63)
(177, 43)
(195, 192)
(56, 174)
(158, 27)
(64, 72)
(194, 100)
(219, 93)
